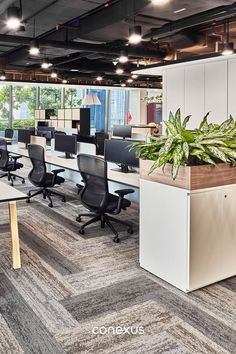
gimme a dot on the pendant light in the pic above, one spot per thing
(135, 34)
(228, 47)
(34, 46)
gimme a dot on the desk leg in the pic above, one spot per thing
(14, 235)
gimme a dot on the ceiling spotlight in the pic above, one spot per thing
(34, 48)
(115, 62)
(130, 81)
(123, 57)
(13, 18)
(45, 64)
(53, 75)
(228, 48)
(64, 81)
(134, 76)
(160, 2)
(119, 71)
(99, 78)
(135, 34)
(2, 76)
(123, 84)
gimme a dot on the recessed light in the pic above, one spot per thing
(130, 81)
(74, 70)
(123, 85)
(119, 71)
(160, 2)
(180, 10)
(64, 81)
(99, 78)
(134, 76)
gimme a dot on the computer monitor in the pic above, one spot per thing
(124, 131)
(24, 136)
(118, 151)
(66, 144)
(43, 124)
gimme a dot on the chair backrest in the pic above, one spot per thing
(9, 133)
(59, 132)
(38, 172)
(4, 158)
(93, 170)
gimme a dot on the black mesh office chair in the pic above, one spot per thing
(39, 176)
(9, 134)
(9, 164)
(95, 195)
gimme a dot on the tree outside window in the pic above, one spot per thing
(4, 106)
(50, 97)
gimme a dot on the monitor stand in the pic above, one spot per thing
(67, 156)
(124, 169)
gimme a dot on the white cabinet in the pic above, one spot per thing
(232, 87)
(194, 94)
(188, 238)
(175, 90)
(216, 90)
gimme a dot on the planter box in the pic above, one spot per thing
(191, 177)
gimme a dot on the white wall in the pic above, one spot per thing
(200, 87)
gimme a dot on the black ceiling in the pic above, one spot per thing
(88, 35)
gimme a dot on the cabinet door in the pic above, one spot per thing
(194, 94)
(174, 90)
(232, 87)
(212, 236)
(216, 91)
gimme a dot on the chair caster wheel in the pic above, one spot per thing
(78, 219)
(12, 184)
(28, 201)
(64, 200)
(23, 181)
(50, 205)
(81, 232)
(116, 239)
(14, 177)
(130, 231)
(29, 194)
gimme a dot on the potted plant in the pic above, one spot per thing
(188, 159)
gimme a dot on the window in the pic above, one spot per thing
(50, 97)
(24, 104)
(4, 106)
(73, 97)
(98, 112)
(117, 107)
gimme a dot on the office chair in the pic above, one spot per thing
(9, 134)
(100, 138)
(95, 195)
(9, 164)
(42, 179)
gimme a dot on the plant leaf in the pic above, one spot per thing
(185, 122)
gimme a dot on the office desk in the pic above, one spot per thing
(8, 140)
(53, 158)
(11, 195)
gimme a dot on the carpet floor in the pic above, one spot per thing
(85, 294)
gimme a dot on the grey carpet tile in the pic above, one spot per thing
(23, 323)
(44, 250)
(69, 283)
(8, 342)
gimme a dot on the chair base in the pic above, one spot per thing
(11, 177)
(46, 194)
(105, 220)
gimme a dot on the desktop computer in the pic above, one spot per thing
(123, 131)
(24, 136)
(66, 144)
(119, 152)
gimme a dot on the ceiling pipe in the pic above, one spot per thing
(5, 4)
(83, 46)
(194, 20)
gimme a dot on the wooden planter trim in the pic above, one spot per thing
(191, 177)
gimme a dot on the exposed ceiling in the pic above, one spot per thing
(87, 35)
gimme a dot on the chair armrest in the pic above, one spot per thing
(59, 170)
(123, 192)
(15, 157)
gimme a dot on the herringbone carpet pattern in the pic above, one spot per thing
(70, 284)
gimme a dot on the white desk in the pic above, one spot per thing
(9, 140)
(11, 195)
(52, 158)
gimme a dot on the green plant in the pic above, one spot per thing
(208, 144)
(153, 99)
